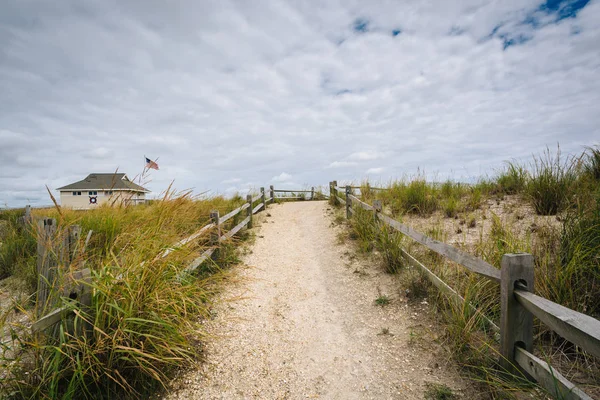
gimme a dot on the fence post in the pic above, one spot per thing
(74, 234)
(263, 198)
(215, 235)
(377, 208)
(348, 201)
(334, 192)
(272, 194)
(312, 193)
(516, 323)
(46, 264)
(249, 214)
(330, 192)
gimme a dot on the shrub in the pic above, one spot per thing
(551, 183)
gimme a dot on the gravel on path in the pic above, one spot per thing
(303, 323)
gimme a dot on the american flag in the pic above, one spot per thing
(151, 164)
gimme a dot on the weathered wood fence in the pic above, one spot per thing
(61, 274)
(518, 302)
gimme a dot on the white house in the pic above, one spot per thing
(97, 189)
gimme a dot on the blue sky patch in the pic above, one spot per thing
(361, 25)
(559, 9)
(563, 8)
(396, 32)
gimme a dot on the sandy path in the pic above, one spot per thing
(304, 325)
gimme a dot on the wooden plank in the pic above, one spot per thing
(444, 287)
(292, 191)
(185, 241)
(255, 199)
(257, 208)
(472, 263)
(577, 328)
(289, 198)
(50, 319)
(236, 229)
(361, 203)
(87, 240)
(341, 201)
(198, 261)
(549, 378)
(233, 213)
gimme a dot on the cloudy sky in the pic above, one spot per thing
(231, 95)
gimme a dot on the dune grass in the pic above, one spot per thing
(144, 318)
(567, 266)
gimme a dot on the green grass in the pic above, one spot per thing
(513, 179)
(382, 300)
(591, 163)
(389, 244)
(552, 181)
(438, 391)
(17, 251)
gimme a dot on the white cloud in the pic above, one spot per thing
(229, 91)
(283, 177)
(377, 170)
(341, 164)
(365, 155)
(232, 180)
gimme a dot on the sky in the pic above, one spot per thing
(234, 95)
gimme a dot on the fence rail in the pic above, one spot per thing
(518, 303)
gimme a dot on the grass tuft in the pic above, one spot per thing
(552, 180)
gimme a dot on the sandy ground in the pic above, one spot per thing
(303, 323)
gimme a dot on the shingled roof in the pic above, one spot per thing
(104, 182)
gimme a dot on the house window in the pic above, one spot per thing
(108, 193)
(76, 193)
(94, 193)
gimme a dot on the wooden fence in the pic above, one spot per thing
(56, 250)
(518, 302)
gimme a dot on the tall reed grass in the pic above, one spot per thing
(144, 318)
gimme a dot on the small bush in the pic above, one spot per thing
(549, 188)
